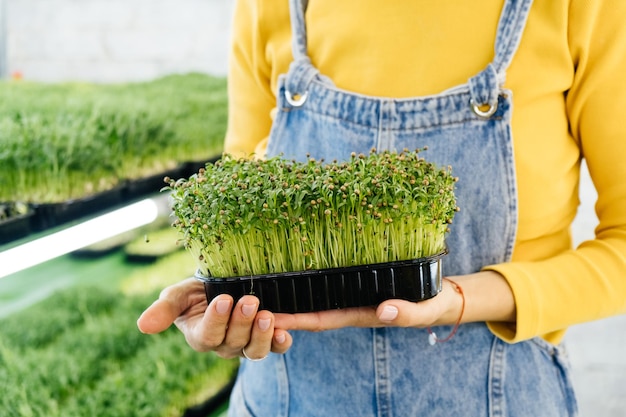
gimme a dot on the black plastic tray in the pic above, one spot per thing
(53, 214)
(16, 227)
(327, 289)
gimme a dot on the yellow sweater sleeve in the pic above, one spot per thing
(590, 282)
(569, 89)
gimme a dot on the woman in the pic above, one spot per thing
(510, 94)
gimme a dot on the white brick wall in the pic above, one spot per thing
(115, 40)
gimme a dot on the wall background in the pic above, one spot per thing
(114, 40)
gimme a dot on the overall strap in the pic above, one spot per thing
(298, 28)
(301, 70)
(485, 86)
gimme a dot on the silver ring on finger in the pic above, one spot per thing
(245, 355)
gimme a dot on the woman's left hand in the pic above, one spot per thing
(445, 308)
(484, 296)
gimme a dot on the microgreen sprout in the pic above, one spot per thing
(68, 141)
(241, 217)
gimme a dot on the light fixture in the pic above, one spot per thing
(75, 237)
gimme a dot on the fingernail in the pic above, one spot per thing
(389, 313)
(222, 306)
(248, 309)
(139, 326)
(264, 324)
(280, 338)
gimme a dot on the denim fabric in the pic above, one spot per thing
(392, 371)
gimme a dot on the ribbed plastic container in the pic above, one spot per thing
(335, 288)
(48, 215)
(16, 227)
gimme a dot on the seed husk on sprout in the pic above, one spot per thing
(242, 217)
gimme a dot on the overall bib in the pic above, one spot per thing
(394, 371)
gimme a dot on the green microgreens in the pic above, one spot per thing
(67, 141)
(242, 217)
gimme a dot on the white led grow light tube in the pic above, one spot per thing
(75, 237)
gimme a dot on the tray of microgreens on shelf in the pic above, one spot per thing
(311, 236)
(15, 221)
(72, 150)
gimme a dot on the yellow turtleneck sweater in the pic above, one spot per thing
(569, 90)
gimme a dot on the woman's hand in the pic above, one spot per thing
(488, 297)
(220, 326)
(445, 308)
(227, 330)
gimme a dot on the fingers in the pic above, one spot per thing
(227, 327)
(156, 318)
(403, 313)
(253, 330)
(173, 301)
(400, 313)
(207, 330)
(329, 319)
(446, 308)
(222, 326)
(244, 325)
(278, 340)
(391, 313)
(282, 341)
(262, 333)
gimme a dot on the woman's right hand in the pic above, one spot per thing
(218, 326)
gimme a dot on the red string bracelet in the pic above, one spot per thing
(432, 336)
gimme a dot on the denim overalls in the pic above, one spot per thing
(394, 371)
